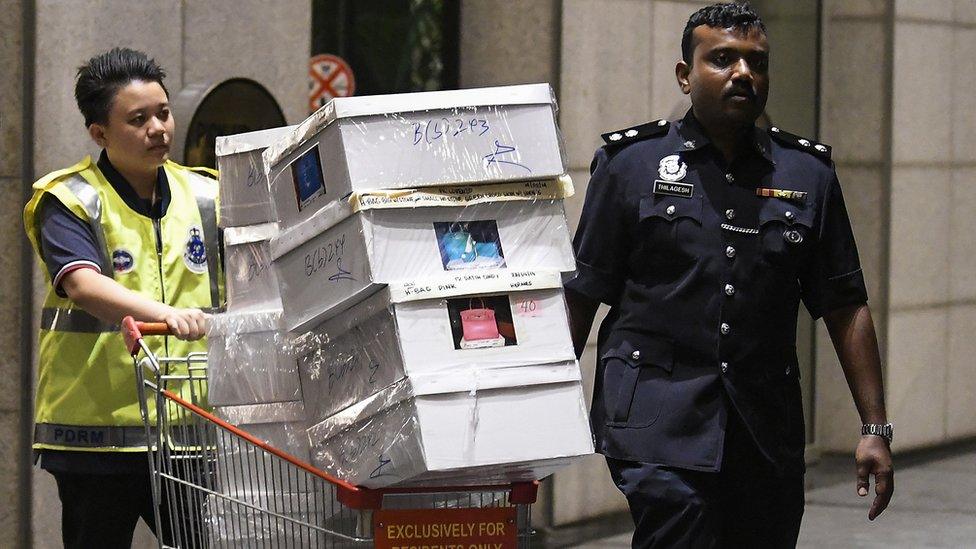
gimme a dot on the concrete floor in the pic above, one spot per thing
(934, 506)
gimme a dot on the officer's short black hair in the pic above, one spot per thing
(102, 76)
(732, 15)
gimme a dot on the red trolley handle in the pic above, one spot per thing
(133, 330)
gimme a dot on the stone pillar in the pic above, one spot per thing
(509, 42)
(856, 120)
(14, 485)
(898, 110)
(931, 381)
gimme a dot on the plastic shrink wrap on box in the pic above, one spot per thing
(250, 360)
(414, 140)
(244, 190)
(251, 284)
(408, 330)
(478, 427)
(351, 248)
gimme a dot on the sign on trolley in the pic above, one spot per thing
(491, 528)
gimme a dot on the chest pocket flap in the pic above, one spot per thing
(786, 212)
(670, 208)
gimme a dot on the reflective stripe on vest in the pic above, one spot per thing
(59, 319)
(81, 436)
(206, 203)
(87, 196)
(111, 436)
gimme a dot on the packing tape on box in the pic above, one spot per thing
(467, 195)
(474, 283)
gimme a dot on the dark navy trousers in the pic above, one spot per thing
(748, 504)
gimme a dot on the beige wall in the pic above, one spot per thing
(898, 108)
(931, 379)
(12, 450)
(856, 122)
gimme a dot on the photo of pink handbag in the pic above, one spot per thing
(478, 324)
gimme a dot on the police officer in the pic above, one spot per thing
(703, 236)
(129, 234)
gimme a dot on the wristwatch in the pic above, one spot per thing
(883, 430)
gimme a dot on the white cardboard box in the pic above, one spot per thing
(250, 360)
(251, 284)
(401, 332)
(416, 433)
(244, 190)
(413, 140)
(339, 257)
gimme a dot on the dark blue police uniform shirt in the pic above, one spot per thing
(66, 242)
(704, 277)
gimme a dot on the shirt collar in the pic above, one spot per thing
(692, 137)
(129, 195)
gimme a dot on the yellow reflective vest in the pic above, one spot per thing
(86, 388)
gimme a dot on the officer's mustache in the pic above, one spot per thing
(739, 90)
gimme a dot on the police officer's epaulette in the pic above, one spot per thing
(627, 136)
(802, 143)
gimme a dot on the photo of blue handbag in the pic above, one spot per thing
(459, 246)
(469, 245)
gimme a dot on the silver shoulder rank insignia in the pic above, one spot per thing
(672, 168)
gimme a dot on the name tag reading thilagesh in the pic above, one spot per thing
(672, 188)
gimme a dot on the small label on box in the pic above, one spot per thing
(528, 308)
(474, 283)
(550, 189)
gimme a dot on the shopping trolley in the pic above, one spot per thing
(215, 485)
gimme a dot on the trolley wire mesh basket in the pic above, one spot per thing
(215, 485)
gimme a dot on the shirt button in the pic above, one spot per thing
(730, 252)
(790, 215)
(635, 355)
(725, 367)
(729, 290)
(725, 329)
(671, 209)
(730, 214)
(730, 178)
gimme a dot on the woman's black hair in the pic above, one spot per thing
(100, 78)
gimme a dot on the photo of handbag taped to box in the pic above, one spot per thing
(469, 245)
(481, 322)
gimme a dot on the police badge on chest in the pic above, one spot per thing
(670, 171)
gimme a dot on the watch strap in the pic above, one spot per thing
(883, 430)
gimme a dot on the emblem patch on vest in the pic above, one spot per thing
(122, 261)
(672, 168)
(195, 255)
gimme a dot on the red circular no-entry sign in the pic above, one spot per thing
(329, 76)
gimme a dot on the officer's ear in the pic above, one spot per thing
(681, 72)
(97, 133)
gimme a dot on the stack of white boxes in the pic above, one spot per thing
(418, 257)
(253, 375)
